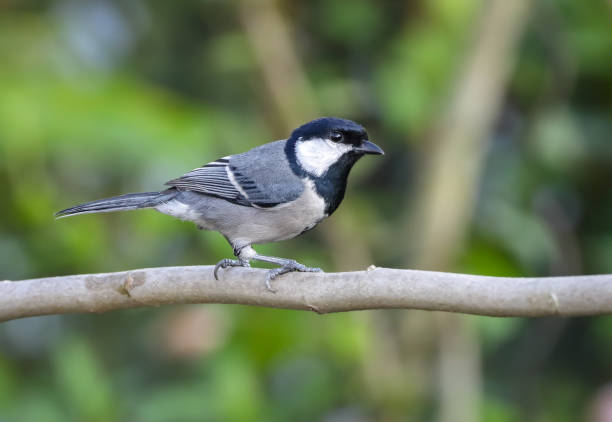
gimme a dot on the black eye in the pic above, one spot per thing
(336, 137)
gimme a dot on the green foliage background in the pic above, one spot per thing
(105, 97)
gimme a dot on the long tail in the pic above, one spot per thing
(131, 201)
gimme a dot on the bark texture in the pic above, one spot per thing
(376, 288)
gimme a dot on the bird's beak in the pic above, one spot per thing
(368, 147)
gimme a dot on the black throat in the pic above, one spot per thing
(331, 186)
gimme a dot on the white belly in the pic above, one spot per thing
(243, 225)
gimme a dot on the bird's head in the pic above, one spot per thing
(330, 141)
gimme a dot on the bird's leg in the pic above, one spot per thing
(286, 266)
(242, 261)
(246, 253)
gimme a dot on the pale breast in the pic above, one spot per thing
(282, 222)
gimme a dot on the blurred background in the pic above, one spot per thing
(496, 120)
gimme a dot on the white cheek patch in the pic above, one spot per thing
(316, 156)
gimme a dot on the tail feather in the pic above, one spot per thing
(130, 201)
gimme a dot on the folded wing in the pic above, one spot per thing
(259, 178)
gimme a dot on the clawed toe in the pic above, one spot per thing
(245, 254)
(269, 278)
(290, 267)
(225, 263)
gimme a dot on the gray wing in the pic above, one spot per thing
(260, 177)
(212, 179)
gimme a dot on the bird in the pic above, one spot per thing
(273, 192)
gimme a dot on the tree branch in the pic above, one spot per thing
(378, 288)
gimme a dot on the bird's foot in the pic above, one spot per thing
(288, 266)
(225, 263)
